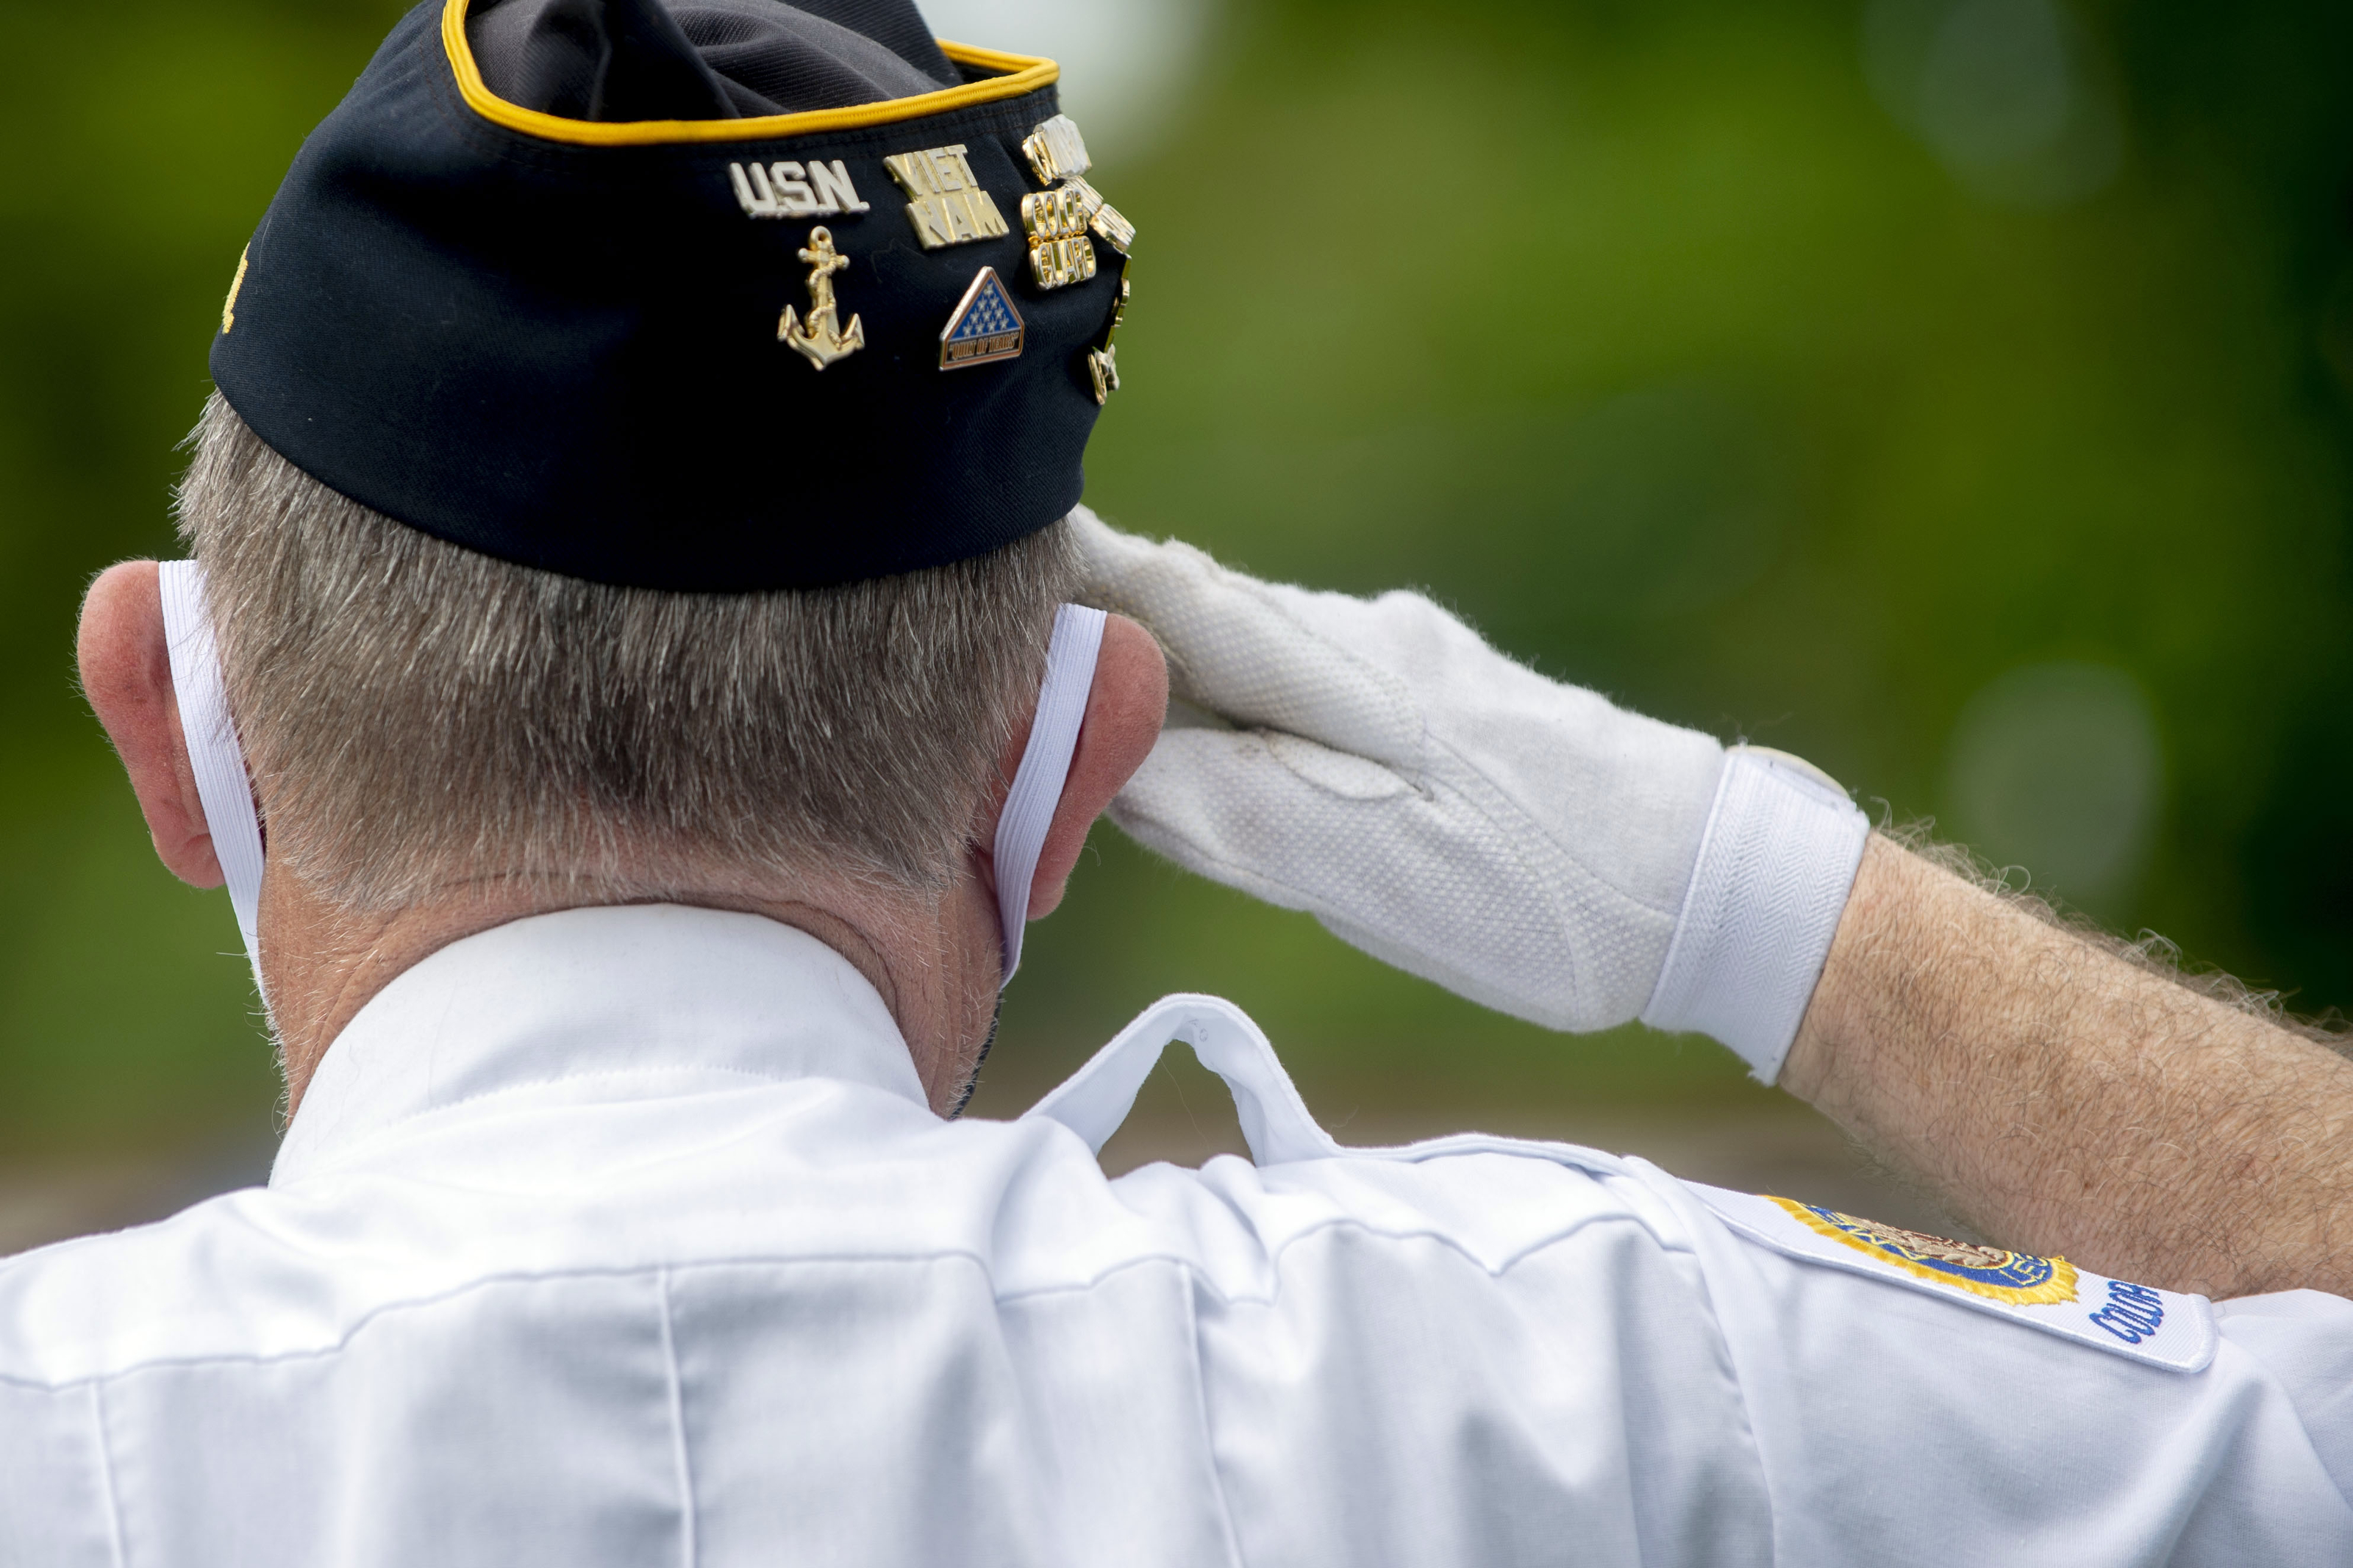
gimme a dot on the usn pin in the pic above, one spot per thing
(788, 189)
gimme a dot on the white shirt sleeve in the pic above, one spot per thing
(1899, 1423)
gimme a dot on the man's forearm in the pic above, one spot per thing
(2063, 1100)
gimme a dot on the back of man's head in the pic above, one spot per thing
(418, 715)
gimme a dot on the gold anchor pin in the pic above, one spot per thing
(821, 341)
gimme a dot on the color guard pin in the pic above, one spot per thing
(1059, 219)
(984, 326)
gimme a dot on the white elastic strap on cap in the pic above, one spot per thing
(214, 754)
(1045, 765)
(1775, 864)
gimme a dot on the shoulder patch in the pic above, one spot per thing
(2139, 1322)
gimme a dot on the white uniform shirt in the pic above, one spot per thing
(625, 1236)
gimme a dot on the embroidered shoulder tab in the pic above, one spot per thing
(2049, 1293)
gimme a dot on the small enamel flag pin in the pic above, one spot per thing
(984, 326)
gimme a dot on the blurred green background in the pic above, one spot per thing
(1956, 392)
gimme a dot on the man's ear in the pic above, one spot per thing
(126, 674)
(1125, 710)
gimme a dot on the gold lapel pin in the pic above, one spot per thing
(1102, 361)
(1059, 220)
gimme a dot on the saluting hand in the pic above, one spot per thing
(1523, 843)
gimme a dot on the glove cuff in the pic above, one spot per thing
(1776, 863)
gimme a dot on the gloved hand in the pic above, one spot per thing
(1450, 811)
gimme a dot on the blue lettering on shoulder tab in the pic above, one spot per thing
(2134, 1313)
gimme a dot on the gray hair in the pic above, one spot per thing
(417, 715)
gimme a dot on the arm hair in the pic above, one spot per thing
(2063, 1091)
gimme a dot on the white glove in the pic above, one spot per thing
(1521, 843)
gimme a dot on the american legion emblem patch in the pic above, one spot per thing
(2139, 1322)
(1990, 1271)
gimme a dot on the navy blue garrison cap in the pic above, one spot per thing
(713, 296)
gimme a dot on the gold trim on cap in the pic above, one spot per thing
(1023, 73)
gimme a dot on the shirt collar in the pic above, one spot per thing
(629, 1001)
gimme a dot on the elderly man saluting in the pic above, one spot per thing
(630, 680)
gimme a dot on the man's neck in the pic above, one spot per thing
(933, 962)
